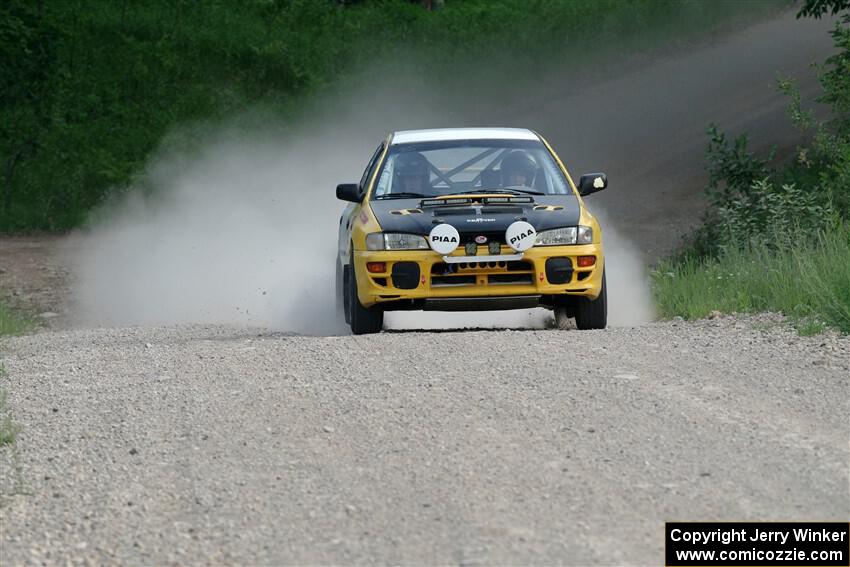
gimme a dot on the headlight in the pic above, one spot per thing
(567, 235)
(395, 241)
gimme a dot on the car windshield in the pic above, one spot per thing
(432, 169)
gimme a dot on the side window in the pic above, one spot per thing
(370, 168)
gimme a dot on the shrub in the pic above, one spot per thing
(770, 215)
(732, 170)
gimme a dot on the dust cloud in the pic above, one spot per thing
(629, 297)
(242, 231)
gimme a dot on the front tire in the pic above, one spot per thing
(363, 320)
(593, 313)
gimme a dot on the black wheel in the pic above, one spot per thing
(562, 317)
(593, 313)
(363, 320)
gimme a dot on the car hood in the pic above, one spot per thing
(476, 215)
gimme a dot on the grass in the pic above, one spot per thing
(12, 479)
(12, 323)
(808, 281)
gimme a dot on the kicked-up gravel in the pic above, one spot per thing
(217, 445)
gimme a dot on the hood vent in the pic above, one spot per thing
(549, 208)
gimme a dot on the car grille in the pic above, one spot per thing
(488, 272)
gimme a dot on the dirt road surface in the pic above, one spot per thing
(216, 445)
(220, 445)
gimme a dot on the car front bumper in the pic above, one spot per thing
(400, 278)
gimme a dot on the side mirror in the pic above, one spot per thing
(349, 192)
(592, 183)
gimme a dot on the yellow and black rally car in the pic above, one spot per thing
(467, 219)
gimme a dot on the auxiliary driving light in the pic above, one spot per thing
(494, 248)
(520, 236)
(444, 239)
(470, 248)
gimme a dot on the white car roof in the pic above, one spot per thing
(446, 134)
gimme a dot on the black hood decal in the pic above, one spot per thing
(478, 218)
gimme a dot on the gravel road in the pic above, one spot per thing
(212, 444)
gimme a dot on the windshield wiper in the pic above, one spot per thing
(507, 190)
(401, 195)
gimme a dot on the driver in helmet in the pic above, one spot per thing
(518, 169)
(412, 174)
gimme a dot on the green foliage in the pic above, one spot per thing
(801, 118)
(835, 78)
(817, 8)
(88, 89)
(11, 323)
(732, 170)
(808, 280)
(835, 178)
(748, 202)
(27, 65)
(835, 74)
(771, 216)
(825, 165)
(743, 202)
